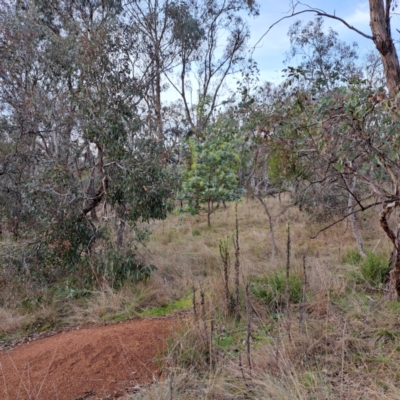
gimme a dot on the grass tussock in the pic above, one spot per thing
(10, 321)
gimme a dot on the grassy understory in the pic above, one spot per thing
(340, 339)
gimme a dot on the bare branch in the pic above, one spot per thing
(351, 192)
(354, 212)
(319, 13)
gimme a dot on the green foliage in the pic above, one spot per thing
(271, 288)
(120, 266)
(327, 61)
(187, 31)
(283, 167)
(168, 308)
(65, 241)
(374, 269)
(212, 173)
(62, 156)
(352, 257)
(142, 181)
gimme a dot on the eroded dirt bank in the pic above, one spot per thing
(87, 363)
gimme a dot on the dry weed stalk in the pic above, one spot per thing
(248, 333)
(203, 311)
(287, 291)
(242, 370)
(237, 263)
(171, 389)
(194, 304)
(303, 296)
(342, 366)
(224, 253)
(211, 351)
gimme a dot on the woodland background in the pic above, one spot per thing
(92, 159)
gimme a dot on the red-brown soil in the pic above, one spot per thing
(87, 363)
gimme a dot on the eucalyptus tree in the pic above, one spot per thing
(184, 43)
(153, 27)
(208, 54)
(325, 59)
(69, 98)
(325, 63)
(343, 144)
(381, 12)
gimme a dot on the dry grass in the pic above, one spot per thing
(185, 250)
(347, 348)
(11, 320)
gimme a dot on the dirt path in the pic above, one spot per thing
(87, 363)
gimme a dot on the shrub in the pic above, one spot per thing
(374, 269)
(352, 257)
(271, 289)
(120, 266)
(196, 232)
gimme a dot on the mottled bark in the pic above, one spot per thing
(382, 37)
(393, 285)
(94, 202)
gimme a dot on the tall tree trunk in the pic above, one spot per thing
(91, 190)
(157, 99)
(382, 37)
(209, 213)
(120, 211)
(354, 220)
(271, 224)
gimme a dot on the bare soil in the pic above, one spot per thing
(91, 363)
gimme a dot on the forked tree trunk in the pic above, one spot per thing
(271, 224)
(393, 285)
(382, 37)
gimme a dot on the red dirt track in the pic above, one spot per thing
(90, 363)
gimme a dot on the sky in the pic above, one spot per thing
(270, 52)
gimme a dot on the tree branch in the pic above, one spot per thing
(95, 201)
(319, 13)
(353, 212)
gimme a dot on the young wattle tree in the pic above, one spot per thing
(211, 175)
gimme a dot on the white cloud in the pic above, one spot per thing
(360, 16)
(357, 17)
